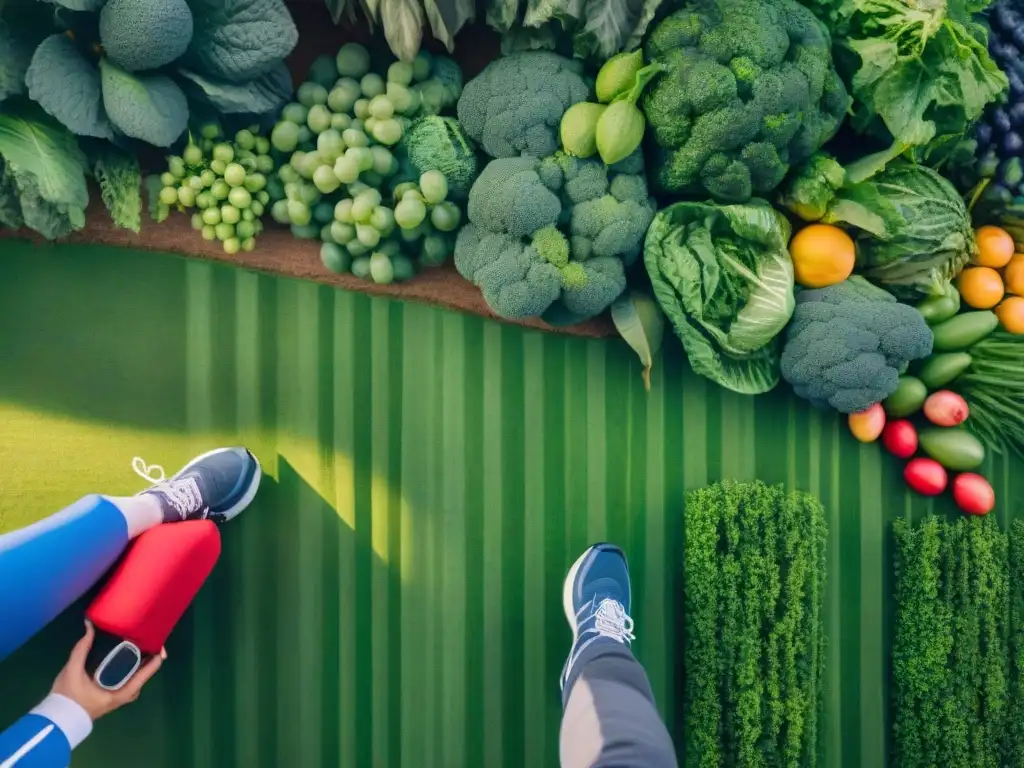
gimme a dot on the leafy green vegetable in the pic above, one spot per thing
(755, 579)
(67, 86)
(121, 73)
(922, 70)
(911, 227)
(725, 280)
(151, 108)
(951, 701)
(46, 168)
(120, 181)
(260, 95)
(15, 56)
(597, 28)
(447, 17)
(641, 323)
(403, 26)
(239, 40)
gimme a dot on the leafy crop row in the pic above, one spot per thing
(755, 572)
(959, 646)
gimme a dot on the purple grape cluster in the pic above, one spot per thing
(1000, 133)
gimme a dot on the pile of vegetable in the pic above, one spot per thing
(362, 176)
(959, 636)
(225, 181)
(550, 233)
(754, 635)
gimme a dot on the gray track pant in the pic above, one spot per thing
(609, 718)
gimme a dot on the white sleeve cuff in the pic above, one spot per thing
(68, 715)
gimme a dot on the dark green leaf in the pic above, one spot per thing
(67, 86)
(263, 95)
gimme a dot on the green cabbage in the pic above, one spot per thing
(724, 277)
(911, 227)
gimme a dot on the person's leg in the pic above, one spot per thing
(609, 716)
(47, 566)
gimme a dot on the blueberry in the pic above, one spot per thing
(1018, 38)
(1012, 144)
(1016, 84)
(983, 134)
(1003, 52)
(1001, 17)
(1016, 113)
(1001, 121)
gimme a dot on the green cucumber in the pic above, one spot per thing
(938, 370)
(907, 399)
(953, 447)
(964, 330)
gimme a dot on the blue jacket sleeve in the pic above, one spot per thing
(45, 736)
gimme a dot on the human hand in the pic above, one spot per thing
(76, 684)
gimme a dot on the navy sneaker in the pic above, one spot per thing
(596, 599)
(215, 486)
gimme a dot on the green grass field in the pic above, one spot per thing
(393, 596)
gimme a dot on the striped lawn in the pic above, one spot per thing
(393, 597)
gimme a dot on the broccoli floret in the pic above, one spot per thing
(600, 283)
(847, 343)
(509, 197)
(514, 279)
(751, 90)
(442, 89)
(584, 179)
(515, 105)
(558, 211)
(629, 186)
(439, 144)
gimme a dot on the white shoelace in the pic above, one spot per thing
(148, 472)
(611, 620)
(182, 494)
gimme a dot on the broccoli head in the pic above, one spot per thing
(552, 237)
(847, 343)
(515, 105)
(750, 91)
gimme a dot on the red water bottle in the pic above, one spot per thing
(146, 596)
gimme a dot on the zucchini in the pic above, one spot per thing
(964, 330)
(907, 398)
(939, 370)
(952, 447)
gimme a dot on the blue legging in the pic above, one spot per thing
(45, 567)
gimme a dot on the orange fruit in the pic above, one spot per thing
(995, 247)
(1013, 275)
(980, 287)
(1011, 314)
(822, 255)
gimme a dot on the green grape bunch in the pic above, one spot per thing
(223, 184)
(344, 178)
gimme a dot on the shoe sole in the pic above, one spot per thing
(250, 492)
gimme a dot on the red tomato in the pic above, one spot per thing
(926, 476)
(945, 408)
(973, 494)
(900, 438)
